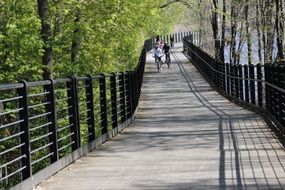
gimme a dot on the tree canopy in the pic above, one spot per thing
(52, 38)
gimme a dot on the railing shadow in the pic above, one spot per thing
(243, 134)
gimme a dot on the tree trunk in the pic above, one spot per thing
(279, 28)
(240, 44)
(46, 34)
(76, 39)
(269, 31)
(282, 20)
(215, 28)
(248, 33)
(258, 28)
(200, 22)
(233, 34)
(263, 28)
(223, 28)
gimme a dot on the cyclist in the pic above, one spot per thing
(172, 41)
(166, 50)
(157, 54)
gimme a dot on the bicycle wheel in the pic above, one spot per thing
(158, 66)
(168, 61)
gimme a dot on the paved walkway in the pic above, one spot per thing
(185, 136)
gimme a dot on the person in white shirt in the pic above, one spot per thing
(157, 54)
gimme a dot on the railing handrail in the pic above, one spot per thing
(245, 83)
(241, 78)
(51, 123)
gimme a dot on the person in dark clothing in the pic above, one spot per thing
(172, 41)
(166, 50)
(157, 38)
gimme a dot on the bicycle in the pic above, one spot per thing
(172, 44)
(167, 59)
(158, 63)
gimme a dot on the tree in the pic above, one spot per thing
(20, 43)
(46, 34)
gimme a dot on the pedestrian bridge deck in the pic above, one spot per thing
(185, 136)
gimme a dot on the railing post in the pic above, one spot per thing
(267, 88)
(232, 80)
(73, 111)
(178, 39)
(282, 95)
(25, 128)
(223, 75)
(103, 104)
(237, 91)
(259, 85)
(246, 90)
(136, 89)
(240, 74)
(276, 104)
(214, 72)
(122, 97)
(133, 87)
(113, 88)
(52, 119)
(219, 84)
(90, 108)
(130, 95)
(252, 84)
(271, 90)
(228, 78)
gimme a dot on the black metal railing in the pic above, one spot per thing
(47, 121)
(260, 87)
(178, 37)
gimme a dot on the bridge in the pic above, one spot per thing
(201, 124)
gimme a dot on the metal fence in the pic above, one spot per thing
(261, 87)
(46, 121)
(178, 37)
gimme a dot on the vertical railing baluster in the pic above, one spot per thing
(113, 88)
(259, 86)
(267, 87)
(134, 89)
(73, 113)
(214, 71)
(232, 80)
(246, 84)
(51, 107)
(241, 89)
(271, 97)
(25, 129)
(103, 104)
(237, 90)
(228, 78)
(122, 97)
(130, 95)
(282, 95)
(252, 84)
(223, 70)
(136, 76)
(276, 92)
(90, 108)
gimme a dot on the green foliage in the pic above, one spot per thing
(109, 35)
(102, 35)
(20, 44)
